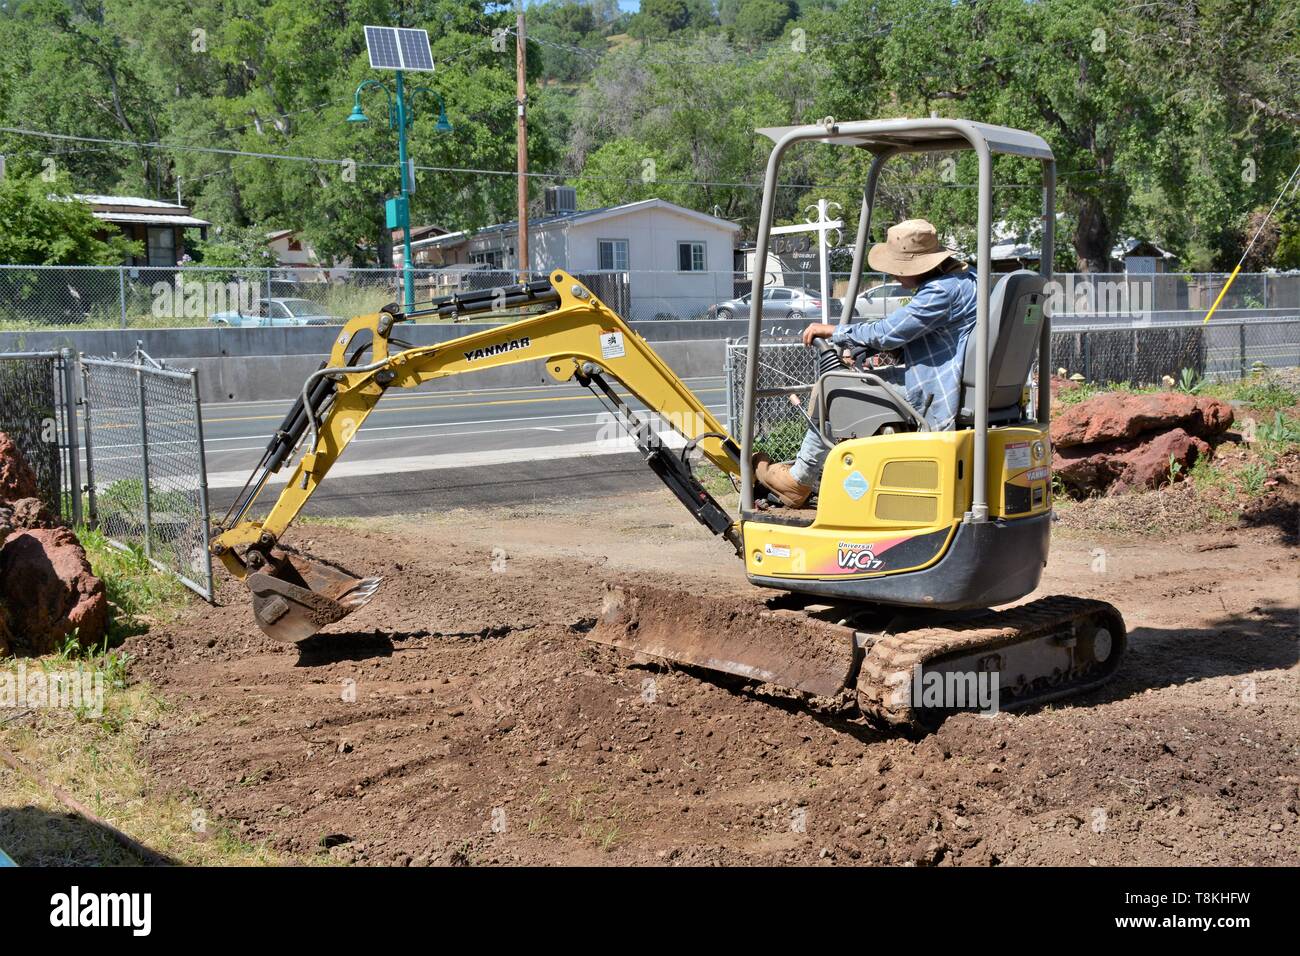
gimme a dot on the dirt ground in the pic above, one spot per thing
(461, 717)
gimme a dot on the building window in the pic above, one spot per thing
(492, 258)
(611, 255)
(690, 257)
(161, 246)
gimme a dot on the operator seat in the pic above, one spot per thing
(1016, 311)
(862, 404)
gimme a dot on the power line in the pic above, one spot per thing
(474, 171)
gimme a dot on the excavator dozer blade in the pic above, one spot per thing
(299, 597)
(786, 648)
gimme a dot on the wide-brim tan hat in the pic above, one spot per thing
(911, 248)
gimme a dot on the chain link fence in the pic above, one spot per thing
(145, 465)
(38, 417)
(137, 297)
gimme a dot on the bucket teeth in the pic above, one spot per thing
(361, 593)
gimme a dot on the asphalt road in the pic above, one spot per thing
(450, 449)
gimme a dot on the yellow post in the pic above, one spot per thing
(1222, 293)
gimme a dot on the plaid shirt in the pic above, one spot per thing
(932, 330)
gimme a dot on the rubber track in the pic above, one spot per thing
(892, 657)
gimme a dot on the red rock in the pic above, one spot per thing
(17, 480)
(1129, 464)
(30, 513)
(47, 589)
(1118, 415)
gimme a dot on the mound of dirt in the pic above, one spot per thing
(1279, 506)
(47, 589)
(1118, 442)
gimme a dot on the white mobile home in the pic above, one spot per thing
(677, 261)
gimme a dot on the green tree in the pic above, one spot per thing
(690, 108)
(1040, 66)
(235, 246)
(758, 20)
(570, 37)
(660, 18)
(44, 225)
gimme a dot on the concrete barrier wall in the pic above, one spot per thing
(252, 378)
(271, 363)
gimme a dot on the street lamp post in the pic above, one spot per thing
(401, 109)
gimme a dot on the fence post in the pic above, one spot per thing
(726, 373)
(203, 483)
(1241, 348)
(70, 429)
(144, 467)
(121, 292)
(92, 517)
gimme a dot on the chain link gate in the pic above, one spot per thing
(38, 412)
(784, 369)
(145, 465)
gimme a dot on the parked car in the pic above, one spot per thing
(785, 302)
(779, 302)
(278, 312)
(878, 301)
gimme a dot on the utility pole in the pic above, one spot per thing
(521, 139)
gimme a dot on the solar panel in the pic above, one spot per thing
(414, 45)
(392, 48)
(381, 42)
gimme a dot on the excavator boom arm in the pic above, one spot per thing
(579, 339)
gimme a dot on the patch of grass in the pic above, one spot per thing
(1263, 392)
(1082, 392)
(127, 495)
(1283, 432)
(1165, 513)
(1252, 478)
(715, 481)
(98, 762)
(138, 594)
(1207, 475)
(781, 442)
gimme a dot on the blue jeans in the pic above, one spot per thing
(807, 467)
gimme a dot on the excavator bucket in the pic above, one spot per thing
(295, 598)
(782, 647)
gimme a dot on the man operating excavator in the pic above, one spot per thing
(931, 330)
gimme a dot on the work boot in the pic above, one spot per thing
(777, 479)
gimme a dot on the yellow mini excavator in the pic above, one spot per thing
(886, 586)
